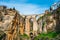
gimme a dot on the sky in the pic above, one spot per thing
(29, 7)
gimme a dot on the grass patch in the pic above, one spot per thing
(24, 36)
(48, 35)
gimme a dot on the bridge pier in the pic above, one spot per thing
(40, 26)
(35, 25)
(27, 26)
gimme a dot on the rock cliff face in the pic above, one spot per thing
(10, 23)
(50, 21)
(47, 22)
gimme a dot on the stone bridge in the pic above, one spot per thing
(32, 18)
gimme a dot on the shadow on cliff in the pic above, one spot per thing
(57, 18)
(3, 37)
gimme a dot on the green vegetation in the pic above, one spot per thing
(43, 24)
(24, 36)
(2, 34)
(48, 35)
(49, 14)
(41, 17)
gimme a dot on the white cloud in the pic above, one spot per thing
(26, 9)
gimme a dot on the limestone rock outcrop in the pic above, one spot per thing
(10, 23)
